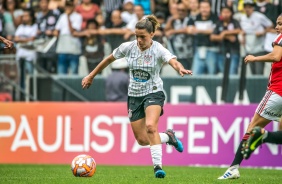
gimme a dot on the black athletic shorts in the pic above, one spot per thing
(136, 105)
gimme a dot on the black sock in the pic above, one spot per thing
(274, 137)
(238, 156)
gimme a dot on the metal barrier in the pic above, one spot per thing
(31, 83)
(17, 91)
(63, 85)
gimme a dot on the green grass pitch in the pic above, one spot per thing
(61, 174)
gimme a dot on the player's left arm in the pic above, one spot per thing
(179, 67)
(273, 56)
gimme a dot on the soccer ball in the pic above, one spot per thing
(83, 166)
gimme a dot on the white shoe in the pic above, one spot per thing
(231, 173)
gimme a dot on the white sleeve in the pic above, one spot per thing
(266, 22)
(58, 24)
(121, 51)
(165, 54)
(34, 30)
(19, 30)
(76, 24)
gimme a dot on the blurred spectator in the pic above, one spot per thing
(254, 25)
(128, 11)
(93, 45)
(117, 82)
(186, 3)
(226, 32)
(68, 46)
(87, 10)
(57, 4)
(278, 6)
(111, 5)
(173, 10)
(100, 19)
(159, 33)
(232, 4)
(266, 8)
(98, 2)
(46, 20)
(1, 23)
(181, 43)
(12, 17)
(139, 12)
(216, 6)
(24, 37)
(206, 51)
(193, 9)
(146, 5)
(162, 6)
(115, 34)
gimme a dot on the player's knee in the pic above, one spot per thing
(142, 141)
(151, 129)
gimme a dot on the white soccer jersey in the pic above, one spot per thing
(144, 66)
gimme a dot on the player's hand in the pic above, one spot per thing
(8, 44)
(249, 58)
(86, 82)
(183, 72)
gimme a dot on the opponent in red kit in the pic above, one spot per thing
(269, 109)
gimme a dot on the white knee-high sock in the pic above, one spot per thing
(164, 137)
(156, 153)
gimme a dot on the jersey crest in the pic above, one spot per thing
(147, 59)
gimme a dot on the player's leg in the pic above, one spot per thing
(152, 118)
(139, 130)
(147, 134)
(257, 120)
(232, 172)
(260, 136)
(140, 133)
(173, 140)
(142, 130)
(272, 137)
(270, 104)
(136, 116)
(168, 136)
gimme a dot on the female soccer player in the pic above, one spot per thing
(269, 109)
(145, 58)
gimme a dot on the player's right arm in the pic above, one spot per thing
(87, 81)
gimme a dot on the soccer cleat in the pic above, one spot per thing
(159, 172)
(174, 141)
(231, 173)
(254, 141)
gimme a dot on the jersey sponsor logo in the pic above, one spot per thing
(272, 114)
(140, 75)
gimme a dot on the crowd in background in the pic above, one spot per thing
(201, 33)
